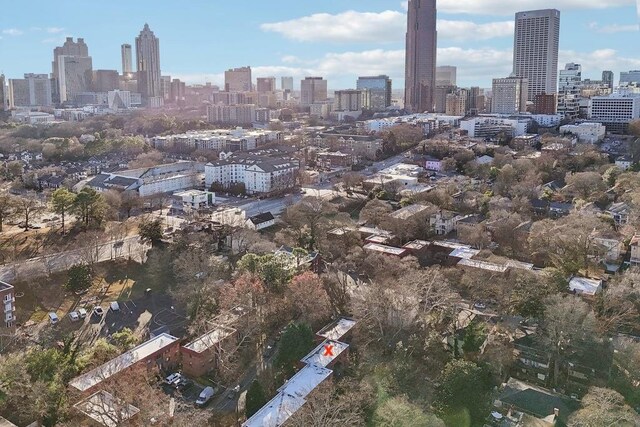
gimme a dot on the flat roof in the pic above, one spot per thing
(408, 211)
(291, 396)
(122, 362)
(390, 250)
(464, 253)
(320, 356)
(584, 285)
(105, 409)
(484, 265)
(211, 338)
(337, 329)
(376, 238)
(416, 244)
(519, 264)
(449, 244)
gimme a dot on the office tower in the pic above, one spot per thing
(569, 86)
(615, 111)
(286, 83)
(440, 97)
(312, 90)
(629, 76)
(77, 69)
(475, 100)
(105, 80)
(238, 80)
(178, 91)
(456, 103)
(125, 51)
(347, 100)
(3, 93)
(32, 91)
(165, 87)
(446, 75)
(379, 88)
(545, 103)
(509, 95)
(148, 64)
(535, 50)
(266, 84)
(420, 57)
(607, 78)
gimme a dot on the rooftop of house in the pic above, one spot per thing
(464, 252)
(483, 265)
(210, 339)
(262, 218)
(5, 286)
(337, 329)
(325, 353)
(416, 245)
(105, 409)
(583, 285)
(409, 211)
(122, 362)
(618, 208)
(389, 250)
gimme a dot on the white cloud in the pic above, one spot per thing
(595, 61)
(54, 30)
(12, 32)
(613, 28)
(386, 26)
(501, 7)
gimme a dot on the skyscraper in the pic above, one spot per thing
(379, 88)
(629, 76)
(148, 63)
(125, 51)
(238, 80)
(3, 93)
(312, 90)
(446, 75)
(32, 91)
(509, 95)
(607, 78)
(569, 90)
(76, 76)
(420, 60)
(266, 84)
(535, 50)
(286, 83)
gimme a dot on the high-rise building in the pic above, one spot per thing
(420, 56)
(629, 76)
(75, 75)
(347, 100)
(165, 87)
(178, 91)
(509, 95)
(148, 64)
(615, 111)
(545, 103)
(440, 97)
(379, 88)
(286, 83)
(266, 84)
(456, 103)
(569, 86)
(32, 91)
(535, 50)
(3, 93)
(69, 48)
(475, 100)
(238, 80)
(105, 80)
(446, 75)
(607, 77)
(125, 51)
(312, 90)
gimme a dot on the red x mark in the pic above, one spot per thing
(328, 350)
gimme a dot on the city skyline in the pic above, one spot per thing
(340, 41)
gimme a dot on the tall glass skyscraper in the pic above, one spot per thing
(420, 61)
(148, 63)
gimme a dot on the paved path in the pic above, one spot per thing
(129, 247)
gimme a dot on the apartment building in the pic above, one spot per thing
(8, 298)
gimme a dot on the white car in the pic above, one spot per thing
(74, 316)
(82, 312)
(173, 378)
(205, 396)
(114, 306)
(53, 318)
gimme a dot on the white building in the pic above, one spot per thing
(488, 126)
(232, 114)
(615, 111)
(586, 132)
(261, 221)
(569, 91)
(119, 99)
(509, 95)
(237, 139)
(32, 117)
(584, 286)
(8, 300)
(259, 174)
(192, 200)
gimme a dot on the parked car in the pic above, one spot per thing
(205, 396)
(183, 383)
(114, 306)
(74, 316)
(53, 318)
(234, 392)
(479, 306)
(98, 311)
(82, 312)
(173, 378)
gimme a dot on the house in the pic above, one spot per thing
(619, 212)
(298, 259)
(558, 209)
(192, 200)
(484, 160)
(161, 351)
(523, 404)
(610, 249)
(261, 221)
(337, 330)
(433, 164)
(104, 409)
(634, 244)
(624, 162)
(584, 286)
(553, 186)
(50, 181)
(386, 250)
(409, 212)
(8, 310)
(203, 354)
(443, 222)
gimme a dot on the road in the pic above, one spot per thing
(128, 247)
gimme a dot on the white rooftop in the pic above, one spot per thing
(582, 285)
(105, 409)
(211, 338)
(384, 249)
(122, 362)
(464, 252)
(337, 330)
(321, 357)
(483, 265)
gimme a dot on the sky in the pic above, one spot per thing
(336, 39)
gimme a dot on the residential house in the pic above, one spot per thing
(433, 164)
(585, 286)
(634, 244)
(443, 222)
(50, 181)
(261, 221)
(8, 300)
(484, 160)
(386, 250)
(619, 212)
(203, 354)
(192, 200)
